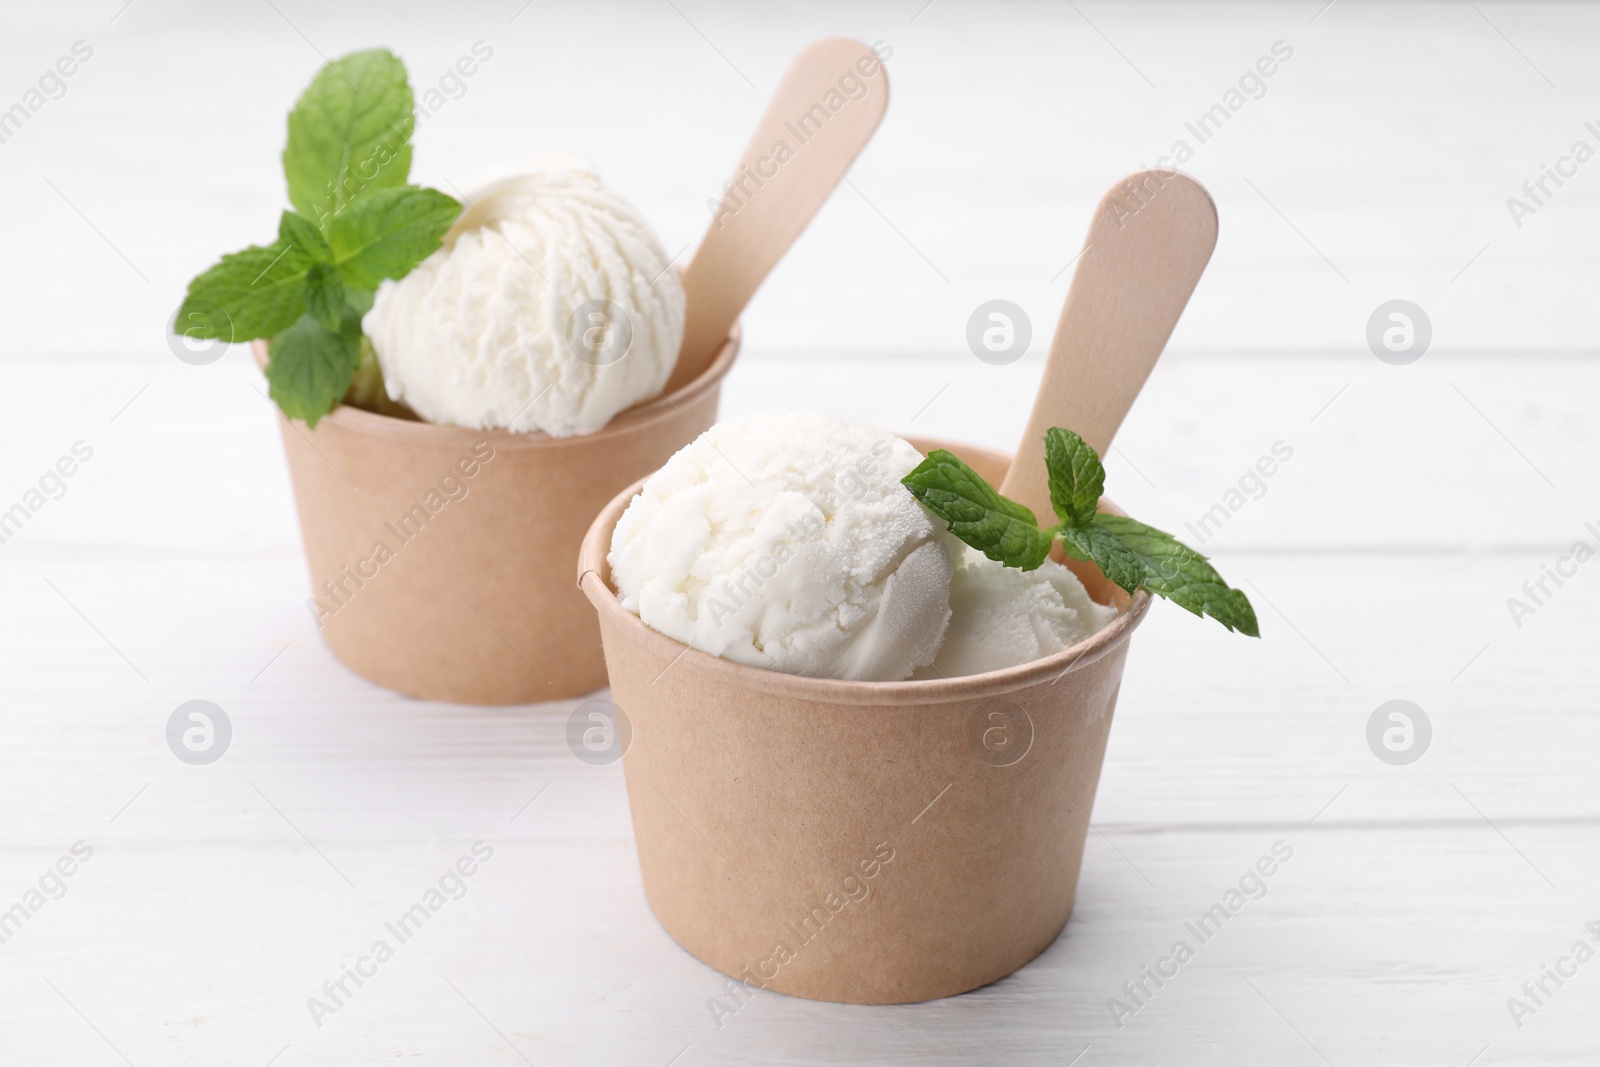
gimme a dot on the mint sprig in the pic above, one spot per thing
(356, 223)
(1127, 551)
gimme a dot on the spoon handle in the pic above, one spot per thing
(826, 109)
(1147, 246)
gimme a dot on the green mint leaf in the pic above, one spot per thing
(304, 235)
(358, 300)
(1100, 547)
(1001, 529)
(349, 133)
(311, 366)
(1182, 575)
(1076, 477)
(325, 295)
(386, 233)
(248, 294)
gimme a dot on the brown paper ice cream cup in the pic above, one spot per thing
(441, 558)
(866, 842)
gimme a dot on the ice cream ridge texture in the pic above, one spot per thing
(787, 541)
(551, 306)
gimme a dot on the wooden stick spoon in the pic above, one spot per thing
(830, 102)
(1147, 246)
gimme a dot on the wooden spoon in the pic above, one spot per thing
(1147, 246)
(823, 114)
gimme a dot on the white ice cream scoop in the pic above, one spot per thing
(786, 541)
(1001, 616)
(550, 306)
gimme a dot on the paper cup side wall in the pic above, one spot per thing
(857, 853)
(457, 586)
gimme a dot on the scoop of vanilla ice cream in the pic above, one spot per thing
(786, 541)
(551, 306)
(1001, 616)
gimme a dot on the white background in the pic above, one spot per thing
(1419, 498)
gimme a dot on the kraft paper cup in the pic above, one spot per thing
(441, 558)
(865, 842)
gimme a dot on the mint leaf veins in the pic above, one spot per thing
(1076, 477)
(349, 133)
(1174, 570)
(311, 366)
(248, 294)
(386, 233)
(1001, 529)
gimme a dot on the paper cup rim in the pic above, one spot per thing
(594, 580)
(372, 424)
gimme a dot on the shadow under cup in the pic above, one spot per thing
(441, 558)
(864, 842)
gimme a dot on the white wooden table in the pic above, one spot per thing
(1419, 498)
